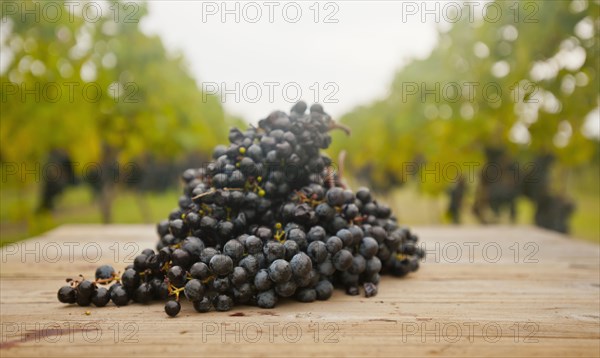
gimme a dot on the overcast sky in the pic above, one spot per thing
(272, 50)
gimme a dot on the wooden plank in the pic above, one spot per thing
(482, 291)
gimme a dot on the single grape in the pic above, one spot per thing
(221, 265)
(203, 305)
(172, 308)
(194, 290)
(280, 271)
(119, 296)
(105, 272)
(67, 294)
(266, 299)
(100, 297)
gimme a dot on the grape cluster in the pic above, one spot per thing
(267, 218)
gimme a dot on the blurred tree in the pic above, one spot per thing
(524, 81)
(99, 88)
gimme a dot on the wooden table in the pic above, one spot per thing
(482, 291)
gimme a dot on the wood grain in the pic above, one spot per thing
(482, 291)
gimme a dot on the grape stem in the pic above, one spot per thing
(211, 191)
(108, 280)
(334, 125)
(175, 291)
(341, 160)
(330, 178)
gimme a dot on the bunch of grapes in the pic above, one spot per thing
(267, 219)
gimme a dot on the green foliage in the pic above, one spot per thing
(76, 207)
(447, 108)
(106, 91)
